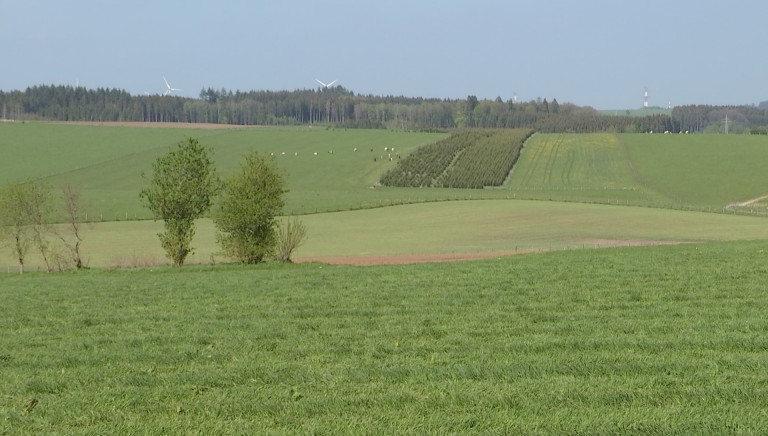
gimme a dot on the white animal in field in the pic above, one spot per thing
(315, 153)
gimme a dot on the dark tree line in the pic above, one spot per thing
(337, 106)
(706, 118)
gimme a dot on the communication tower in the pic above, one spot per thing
(645, 100)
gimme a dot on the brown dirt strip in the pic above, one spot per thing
(404, 259)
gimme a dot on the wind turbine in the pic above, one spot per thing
(326, 85)
(170, 89)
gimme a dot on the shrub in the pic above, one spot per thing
(290, 235)
(249, 203)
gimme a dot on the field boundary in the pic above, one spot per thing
(407, 259)
(150, 124)
(745, 203)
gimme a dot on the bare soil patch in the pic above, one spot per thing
(404, 259)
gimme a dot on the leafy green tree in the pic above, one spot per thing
(182, 186)
(471, 105)
(554, 107)
(247, 209)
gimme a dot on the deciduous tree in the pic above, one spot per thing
(290, 235)
(25, 217)
(72, 208)
(182, 186)
(249, 203)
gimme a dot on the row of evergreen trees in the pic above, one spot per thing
(340, 107)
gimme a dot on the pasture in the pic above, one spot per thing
(667, 339)
(326, 174)
(454, 227)
(698, 172)
(642, 339)
(581, 173)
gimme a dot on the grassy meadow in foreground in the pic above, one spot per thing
(668, 339)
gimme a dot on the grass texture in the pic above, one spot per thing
(325, 173)
(701, 172)
(668, 339)
(431, 228)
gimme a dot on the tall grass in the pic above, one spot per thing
(644, 340)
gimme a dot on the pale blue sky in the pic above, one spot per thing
(591, 52)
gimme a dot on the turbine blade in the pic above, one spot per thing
(329, 85)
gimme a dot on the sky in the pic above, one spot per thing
(591, 52)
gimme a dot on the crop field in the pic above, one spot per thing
(668, 339)
(472, 159)
(700, 172)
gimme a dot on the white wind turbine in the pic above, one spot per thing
(326, 85)
(169, 89)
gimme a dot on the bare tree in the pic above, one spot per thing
(290, 235)
(39, 208)
(72, 208)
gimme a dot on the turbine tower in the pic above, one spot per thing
(645, 100)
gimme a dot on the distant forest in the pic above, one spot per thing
(339, 107)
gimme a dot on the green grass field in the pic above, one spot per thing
(107, 162)
(701, 172)
(457, 227)
(689, 172)
(669, 339)
(661, 340)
